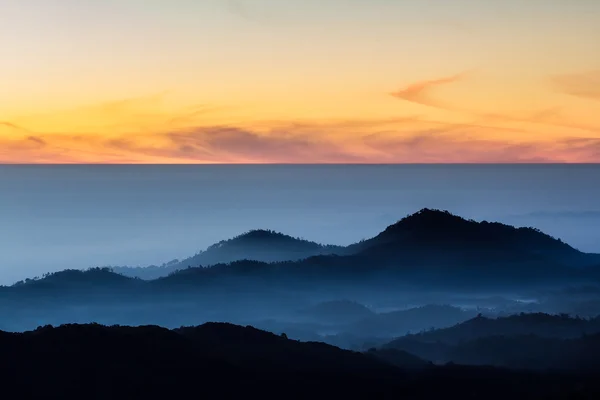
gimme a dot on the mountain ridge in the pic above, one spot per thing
(430, 245)
(423, 230)
(258, 245)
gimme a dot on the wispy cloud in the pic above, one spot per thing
(454, 145)
(228, 144)
(422, 92)
(549, 117)
(38, 141)
(191, 136)
(409, 141)
(148, 113)
(13, 127)
(585, 85)
(462, 144)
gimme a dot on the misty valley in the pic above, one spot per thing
(434, 297)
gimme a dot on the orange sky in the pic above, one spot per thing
(260, 81)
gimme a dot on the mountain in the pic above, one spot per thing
(432, 238)
(539, 324)
(150, 272)
(529, 352)
(517, 341)
(429, 249)
(257, 245)
(439, 236)
(229, 361)
(74, 279)
(124, 362)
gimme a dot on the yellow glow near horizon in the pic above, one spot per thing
(179, 81)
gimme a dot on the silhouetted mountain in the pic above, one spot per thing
(435, 236)
(243, 346)
(227, 361)
(430, 244)
(150, 272)
(518, 341)
(77, 279)
(425, 252)
(123, 362)
(530, 352)
(539, 324)
(256, 245)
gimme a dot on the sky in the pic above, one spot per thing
(299, 81)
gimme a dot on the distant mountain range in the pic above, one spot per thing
(448, 234)
(429, 237)
(431, 247)
(264, 278)
(257, 245)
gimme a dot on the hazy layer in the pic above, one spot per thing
(60, 217)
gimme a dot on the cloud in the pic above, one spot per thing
(124, 115)
(228, 144)
(549, 117)
(409, 139)
(13, 127)
(457, 144)
(433, 143)
(9, 125)
(39, 141)
(446, 145)
(421, 92)
(585, 85)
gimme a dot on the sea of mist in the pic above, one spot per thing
(57, 217)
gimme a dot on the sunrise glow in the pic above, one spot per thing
(299, 81)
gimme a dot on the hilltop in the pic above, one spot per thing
(256, 245)
(428, 238)
(452, 237)
(428, 247)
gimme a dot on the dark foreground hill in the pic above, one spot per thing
(227, 361)
(539, 324)
(527, 341)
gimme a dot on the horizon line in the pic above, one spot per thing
(307, 164)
